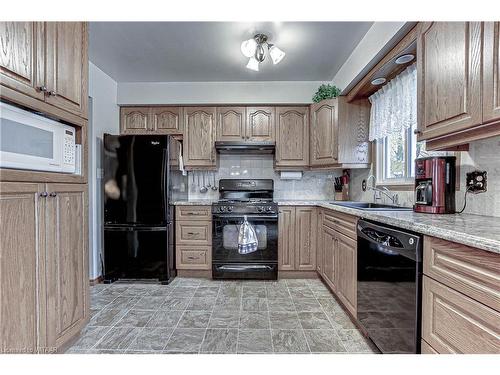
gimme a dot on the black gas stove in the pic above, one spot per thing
(252, 200)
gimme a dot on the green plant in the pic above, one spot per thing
(326, 92)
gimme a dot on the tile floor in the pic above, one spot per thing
(207, 316)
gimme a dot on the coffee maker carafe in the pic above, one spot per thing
(435, 185)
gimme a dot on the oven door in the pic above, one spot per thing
(229, 263)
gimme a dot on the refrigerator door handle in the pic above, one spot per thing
(164, 165)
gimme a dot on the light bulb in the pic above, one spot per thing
(253, 64)
(276, 54)
(248, 47)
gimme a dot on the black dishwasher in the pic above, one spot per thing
(389, 286)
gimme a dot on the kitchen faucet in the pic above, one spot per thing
(394, 197)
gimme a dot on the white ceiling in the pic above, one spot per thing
(210, 51)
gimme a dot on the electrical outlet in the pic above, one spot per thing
(476, 182)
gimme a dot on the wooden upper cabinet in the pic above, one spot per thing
(305, 238)
(67, 66)
(292, 137)
(135, 120)
(22, 57)
(67, 262)
(21, 241)
(166, 120)
(346, 272)
(491, 72)
(199, 137)
(260, 123)
(286, 239)
(47, 61)
(449, 77)
(323, 133)
(231, 123)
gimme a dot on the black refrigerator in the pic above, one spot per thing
(142, 177)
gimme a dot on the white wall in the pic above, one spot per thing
(104, 119)
(216, 92)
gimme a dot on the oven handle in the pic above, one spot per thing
(240, 268)
(242, 217)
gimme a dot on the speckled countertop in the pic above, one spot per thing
(482, 232)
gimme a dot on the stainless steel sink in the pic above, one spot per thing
(371, 206)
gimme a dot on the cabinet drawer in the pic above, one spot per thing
(473, 272)
(193, 213)
(455, 323)
(345, 224)
(193, 257)
(194, 233)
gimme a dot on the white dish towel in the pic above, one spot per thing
(247, 238)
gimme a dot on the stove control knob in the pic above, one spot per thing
(230, 209)
(260, 209)
(222, 208)
(269, 209)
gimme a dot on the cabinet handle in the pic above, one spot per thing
(191, 233)
(44, 194)
(416, 131)
(192, 258)
(42, 88)
(53, 194)
(52, 93)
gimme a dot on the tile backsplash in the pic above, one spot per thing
(482, 155)
(313, 185)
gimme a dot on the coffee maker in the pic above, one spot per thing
(435, 185)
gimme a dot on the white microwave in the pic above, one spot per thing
(34, 142)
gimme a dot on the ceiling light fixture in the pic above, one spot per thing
(404, 59)
(255, 51)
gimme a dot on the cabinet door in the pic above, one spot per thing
(305, 241)
(21, 241)
(286, 239)
(329, 252)
(292, 137)
(199, 137)
(319, 242)
(67, 262)
(491, 72)
(260, 123)
(135, 120)
(22, 57)
(449, 77)
(67, 66)
(455, 323)
(324, 141)
(166, 120)
(231, 123)
(346, 272)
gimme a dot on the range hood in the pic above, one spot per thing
(238, 147)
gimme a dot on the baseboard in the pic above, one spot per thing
(206, 274)
(98, 280)
(297, 275)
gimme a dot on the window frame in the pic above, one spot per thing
(406, 183)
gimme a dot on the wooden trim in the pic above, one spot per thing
(9, 95)
(459, 138)
(205, 274)
(404, 46)
(97, 280)
(298, 275)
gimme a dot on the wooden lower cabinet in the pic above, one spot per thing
(329, 245)
(67, 290)
(44, 283)
(21, 245)
(455, 323)
(346, 272)
(297, 238)
(193, 239)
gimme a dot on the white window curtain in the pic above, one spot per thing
(394, 106)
